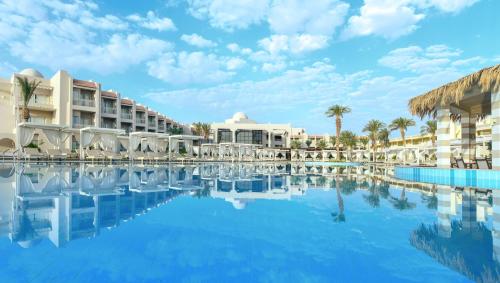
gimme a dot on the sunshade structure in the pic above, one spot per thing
(142, 141)
(56, 135)
(187, 141)
(467, 99)
(104, 138)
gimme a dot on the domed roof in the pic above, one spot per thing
(31, 72)
(238, 116)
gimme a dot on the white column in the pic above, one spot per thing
(234, 135)
(269, 143)
(495, 130)
(443, 153)
(468, 125)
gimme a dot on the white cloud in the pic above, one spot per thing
(229, 14)
(319, 17)
(185, 68)
(298, 43)
(235, 63)
(419, 60)
(72, 36)
(392, 19)
(233, 47)
(387, 18)
(197, 40)
(273, 67)
(153, 22)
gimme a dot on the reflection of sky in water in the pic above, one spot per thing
(197, 238)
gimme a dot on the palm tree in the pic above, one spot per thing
(322, 144)
(348, 140)
(372, 128)
(308, 143)
(364, 141)
(402, 125)
(205, 130)
(197, 128)
(27, 90)
(338, 112)
(430, 128)
(296, 144)
(383, 137)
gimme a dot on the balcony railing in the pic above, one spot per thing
(140, 121)
(84, 102)
(126, 115)
(108, 110)
(109, 125)
(151, 124)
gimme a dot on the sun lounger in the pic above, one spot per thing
(461, 164)
(160, 156)
(8, 153)
(93, 154)
(55, 154)
(124, 155)
(109, 155)
(33, 153)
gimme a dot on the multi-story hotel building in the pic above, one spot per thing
(74, 103)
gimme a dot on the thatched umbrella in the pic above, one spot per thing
(486, 81)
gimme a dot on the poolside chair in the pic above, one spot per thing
(32, 153)
(160, 156)
(483, 164)
(55, 154)
(94, 154)
(109, 155)
(461, 164)
(124, 155)
(8, 153)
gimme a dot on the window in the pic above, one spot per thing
(277, 138)
(244, 137)
(224, 135)
(257, 137)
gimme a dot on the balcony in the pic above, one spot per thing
(108, 110)
(84, 102)
(126, 115)
(109, 125)
(151, 124)
(82, 123)
(139, 120)
(41, 103)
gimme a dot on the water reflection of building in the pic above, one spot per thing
(461, 239)
(63, 203)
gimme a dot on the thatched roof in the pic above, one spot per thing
(486, 80)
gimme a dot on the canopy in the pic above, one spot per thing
(107, 138)
(173, 142)
(157, 142)
(55, 134)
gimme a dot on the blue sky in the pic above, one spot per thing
(277, 60)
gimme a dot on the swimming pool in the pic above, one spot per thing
(240, 223)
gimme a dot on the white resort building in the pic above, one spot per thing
(74, 104)
(241, 129)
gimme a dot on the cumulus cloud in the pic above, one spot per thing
(320, 17)
(153, 22)
(296, 44)
(229, 14)
(189, 68)
(235, 63)
(197, 40)
(72, 36)
(393, 19)
(419, 60)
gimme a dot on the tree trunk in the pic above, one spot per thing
(26, 114)
(338, 124)
(403, 136)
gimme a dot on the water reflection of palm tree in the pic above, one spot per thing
(373, 198)
(339, 216)
(402, 202)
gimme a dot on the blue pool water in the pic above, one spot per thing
(241, 223)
